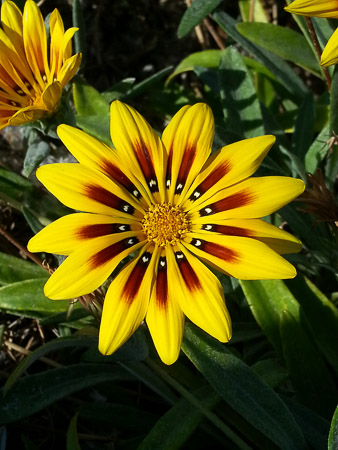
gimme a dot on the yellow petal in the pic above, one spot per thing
(188, 140)
(85, 189)
(228, 166)
(199, 294)
(314, 8)
(253, 198)
(330, 52)
(164, 318)
(240, 257)
(35, 41)
(11, 21)
(140, 147)
(56, 36)
(51, 96)
(69, 69)
(126, 302)
(279, 240)
(25, 115)
(64, 236)
(93, 153)
(89, 266)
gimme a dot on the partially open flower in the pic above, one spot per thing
(31, 75)
(174, 207)
(320, 8)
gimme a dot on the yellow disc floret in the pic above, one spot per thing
(165, 224)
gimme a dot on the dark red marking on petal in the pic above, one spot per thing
(116, 174)
(162, 284)
(146, 164)
(169, 168)
(189, 275)
(231, 202)
(108, 253)
(227, 254)
(135, 279)
(228, 230)
(185, 166)
(101, 229)
(211, 180)
(107, 198)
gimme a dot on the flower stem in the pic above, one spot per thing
(318, 50)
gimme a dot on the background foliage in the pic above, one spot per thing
(274, 386)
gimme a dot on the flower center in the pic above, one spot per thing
(165, 224)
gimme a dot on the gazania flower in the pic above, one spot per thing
(320, 8)
(32, 75)
(172, 207)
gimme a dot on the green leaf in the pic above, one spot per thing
(241, 109)
(282, 71)
(206, 58)
(174, 427)
(32, 219)
(195, 14)
(36, 153)
(118, 90)
(148, 83)
(282, 41)
(72, 437)
(97, 126)
(333, 436)
(26, 298)
(321, 315)
(14, 269)
(242, 389)
(304, 127)
(271, 370)
(310, 377)
(35, 392)
(267, 299)
(13, 188)
(80, 35)
(259, 14)
(317, 151)
(88, 101)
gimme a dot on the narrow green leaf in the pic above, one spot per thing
(80, 35)
(206, 58)
(174, 427)
(97, 126)
(282, 71)
(321, 315)
(118, 90)
(334, 102)
(284, 42)
(195, 14)
(304, 127)
(88, 101)
(26, 297)
(14, 269)
(241, 108)
(242, 389)
(51, 346)
(333, 436)
(148, 83)
(32, 219)
(35, 392)
(271, 370)
(310, 377)
(72, 437)
(267, 299)
(317, 151)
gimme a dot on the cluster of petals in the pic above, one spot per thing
(164, 207)
(320, 8)
(32, 73)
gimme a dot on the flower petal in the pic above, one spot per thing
(188, 140)
(126, 302)
(64, 236)
(240, 257)
(90, 265)
(87, 190)
(314, 8)
(199, 293)
(93, 153)
(164, 318)
(228, 166)
(330, 52)
(279, 240)
(69, 69)
(253, 198)
(140, 147)
(52, 95)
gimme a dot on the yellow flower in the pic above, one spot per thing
(320, 8)
(31, 82)
(169, 204)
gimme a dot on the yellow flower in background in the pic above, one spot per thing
(320, 8)
(173, 207)
(32, 73)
